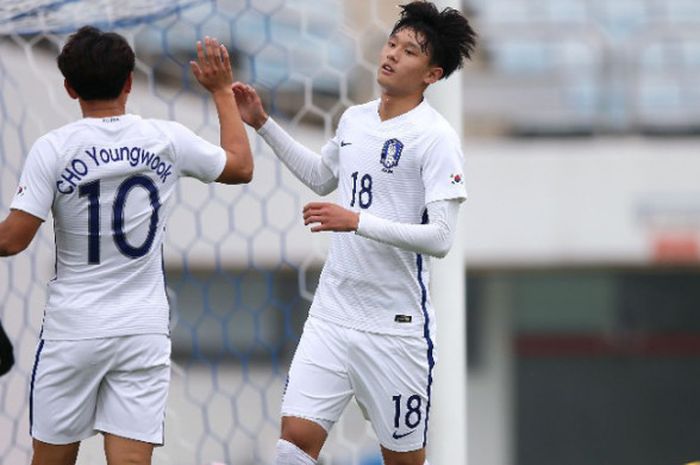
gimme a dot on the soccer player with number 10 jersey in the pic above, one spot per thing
(109, 179)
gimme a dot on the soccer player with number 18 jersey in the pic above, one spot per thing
(103, 360)
(397, 166)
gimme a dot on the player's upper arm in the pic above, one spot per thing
(235, 170)
(195, 156)
(37, 187)
(17, 232)
(443, 168)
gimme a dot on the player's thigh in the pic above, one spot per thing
(392, 376)
(415, 457)
(132, 399)
(63, 391)
(52, 454)
(318, 388)
(123, 451)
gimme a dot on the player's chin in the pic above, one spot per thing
(384, 78)
(387, 83)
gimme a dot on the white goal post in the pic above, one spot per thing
(448, 435)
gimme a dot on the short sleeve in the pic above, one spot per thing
(196, 157)
(443, 170)
(37, 184)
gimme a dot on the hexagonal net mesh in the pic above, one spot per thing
(38, 16)
(241, 267)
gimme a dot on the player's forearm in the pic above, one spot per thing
(8, 245)
(429, 239)
(233, 139)
(4, 243)
(434, 238)
(306, 165)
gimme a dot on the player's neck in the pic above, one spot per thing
(391, 106)
(102, 108)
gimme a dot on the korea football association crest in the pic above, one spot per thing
(391, 154)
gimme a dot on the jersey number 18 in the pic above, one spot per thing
(364, 196)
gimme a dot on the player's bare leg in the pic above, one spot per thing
(122, 451)
(52, 454)
(308, 436)
(416, 457)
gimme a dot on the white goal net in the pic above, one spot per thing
(241, 266)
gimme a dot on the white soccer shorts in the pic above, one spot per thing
(390, 377)
(116, 385)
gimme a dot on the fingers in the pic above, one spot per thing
(213, 65)
(244, 90)
(314, 206)
(200, 53)
(219, 55)
(204, 59)
(240, 91)
(253, 93)
(240, 88)
(212, 51)
(327, 216)
(318, 224)
(313, 213)
(314, 219)
(225, 58)
(196, 70)
(317, 213)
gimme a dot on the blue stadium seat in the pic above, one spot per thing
(682, 11)
(621, 18)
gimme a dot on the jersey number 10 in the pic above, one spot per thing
(91, 190)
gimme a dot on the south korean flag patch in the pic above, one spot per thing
(391, 154)
(457, 178)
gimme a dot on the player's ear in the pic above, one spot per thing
(127, 84)
(71, 92)
(433, 75)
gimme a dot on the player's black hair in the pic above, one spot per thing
(96, 64)
(445, 35)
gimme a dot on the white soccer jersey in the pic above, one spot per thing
(391, 169)
(110, 184)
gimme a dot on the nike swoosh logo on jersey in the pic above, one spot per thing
(396, 434)
(343, 143)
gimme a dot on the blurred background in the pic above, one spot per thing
(581, 236)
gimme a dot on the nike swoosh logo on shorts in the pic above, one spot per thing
(343, 143)
(396, 434)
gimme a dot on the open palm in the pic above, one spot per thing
(249, 105)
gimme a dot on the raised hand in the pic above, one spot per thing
(213, 66)
(330, 217)
(249, 105)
